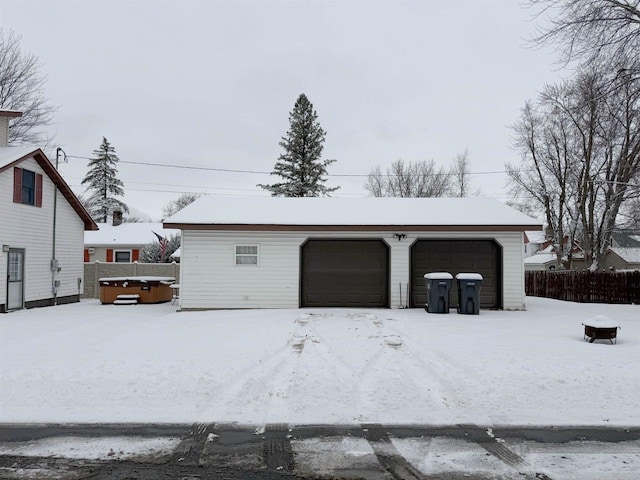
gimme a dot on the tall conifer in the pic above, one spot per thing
(300, 166)
(103, 185)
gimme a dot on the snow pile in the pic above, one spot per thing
(92, 448)
(88, 362)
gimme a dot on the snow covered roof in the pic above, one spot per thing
(365, 211)
(177, 253)
(629, 255)
(535, 236)
(11, 156)
(540, 259)
(127, 234)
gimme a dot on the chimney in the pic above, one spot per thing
(5, 116)
(117, 218)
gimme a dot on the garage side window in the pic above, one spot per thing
(246, 255)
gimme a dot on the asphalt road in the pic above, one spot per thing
(216, 451)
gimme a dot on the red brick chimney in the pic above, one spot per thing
(117, 218)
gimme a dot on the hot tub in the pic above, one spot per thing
(148, 289)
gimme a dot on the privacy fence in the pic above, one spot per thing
(585, 287)
(94, 271)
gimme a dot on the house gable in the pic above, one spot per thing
(48, 168)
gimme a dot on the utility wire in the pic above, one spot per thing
(260, 172)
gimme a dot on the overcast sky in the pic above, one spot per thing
(211, 84)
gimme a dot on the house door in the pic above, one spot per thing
(15, 279)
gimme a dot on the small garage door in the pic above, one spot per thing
(345, 273)
(455, 256)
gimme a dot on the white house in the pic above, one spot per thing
(122, 242)
(533, 241)
(42, 229)
(276, 252)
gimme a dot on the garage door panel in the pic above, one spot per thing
(348, 273)
(456, 256)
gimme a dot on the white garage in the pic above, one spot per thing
(276, 252)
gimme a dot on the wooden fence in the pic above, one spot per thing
(585, 287)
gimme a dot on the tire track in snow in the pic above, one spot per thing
(439, 364)
(336, 369)
(401, 377)
(257, 393)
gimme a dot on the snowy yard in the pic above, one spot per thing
(148, 363)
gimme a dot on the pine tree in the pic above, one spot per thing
(155, 253)
(103, 185)
(300, 166)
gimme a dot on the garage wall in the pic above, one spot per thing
(209, 278)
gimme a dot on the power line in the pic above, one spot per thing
(260, 172)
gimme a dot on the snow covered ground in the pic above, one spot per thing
(88, 362)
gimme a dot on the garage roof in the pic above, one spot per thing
(285, 213)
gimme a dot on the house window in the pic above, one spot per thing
(27, 187)
(122, 256)
(246, 255)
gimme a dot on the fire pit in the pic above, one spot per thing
(601, 328)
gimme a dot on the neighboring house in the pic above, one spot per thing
(618, 258)
(625, 240)
(533, 239)
(545, 260)
(42, 225)
(278, 252)
(122, 242)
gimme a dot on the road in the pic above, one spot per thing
(372, 452)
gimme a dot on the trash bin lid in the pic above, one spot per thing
(469, 276)
(438, 276)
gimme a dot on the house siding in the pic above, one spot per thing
(209, 278)
(100, 253)
(30, 228)
(4, 131)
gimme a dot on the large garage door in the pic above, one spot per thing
(345, 273)
(455, 256)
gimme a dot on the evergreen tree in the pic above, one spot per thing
(155, 253)
(103, 185)
(300, 165)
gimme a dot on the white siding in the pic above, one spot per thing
(209, 278)
(30, 228)
(4, 131)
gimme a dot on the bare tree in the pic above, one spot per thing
(592, 31)
(178, 204)
(461, 176)
(22, 89)
(419, 179)
(580, 150)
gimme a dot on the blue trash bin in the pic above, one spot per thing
(438, 291)
(469, 293)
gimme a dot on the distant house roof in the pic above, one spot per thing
(177, 253)
(134, 234)
(629, 255)
(625, 240)
(541, 259)
(219, 213)
(12, 156)
(535, 236)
